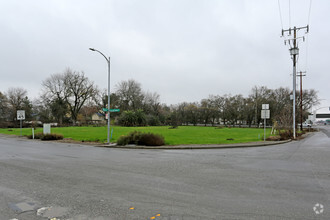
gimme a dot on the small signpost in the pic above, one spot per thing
(46, 129)
(265, 114)
(21, 117)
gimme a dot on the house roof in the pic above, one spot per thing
(100, 114)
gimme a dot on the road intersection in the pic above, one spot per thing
(287, 181)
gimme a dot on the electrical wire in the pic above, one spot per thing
(307, 38)
(309, 12)
(289, 13)
(279, 9)
(306, 64)
(287, 43)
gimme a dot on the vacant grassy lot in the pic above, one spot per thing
(180, 135)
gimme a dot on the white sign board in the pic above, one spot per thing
(310, 117)
(265, 114)
(46, 129)
(265, 106)
(20, 114)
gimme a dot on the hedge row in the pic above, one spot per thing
(46, 137)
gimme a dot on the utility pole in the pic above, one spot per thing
(301, 109)
(294, 51)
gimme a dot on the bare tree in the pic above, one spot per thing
(69, 90)
(18, 100)
(54, 95)
(309, 99)
(151, 103)
(259, 95)
(208, 110)
(3, 107)
(79, 89)
(192, 113)
(130, 95)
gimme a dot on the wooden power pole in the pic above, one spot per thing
(301, 98)
(294, 52)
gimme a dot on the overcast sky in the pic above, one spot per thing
(184, 50)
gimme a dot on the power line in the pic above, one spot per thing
(306, 64)
(307, 41)
(309, 12)
(289, 13)
(279, 8)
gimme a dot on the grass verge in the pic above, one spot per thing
(183, 135)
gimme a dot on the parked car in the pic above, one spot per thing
(307, 125)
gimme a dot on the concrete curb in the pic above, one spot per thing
(193, 147)
(176, 147)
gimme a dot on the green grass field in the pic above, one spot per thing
(178, 136)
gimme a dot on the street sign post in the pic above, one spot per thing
(110, 110)
(46, 129)
(114, 110)
(20, 117)
(265, 114)
(20, 114)
(265, 106)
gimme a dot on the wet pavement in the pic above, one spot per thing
(47, 180)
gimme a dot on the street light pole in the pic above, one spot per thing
(108, 60)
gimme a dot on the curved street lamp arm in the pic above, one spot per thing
(108, 60)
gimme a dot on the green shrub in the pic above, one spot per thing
(128, 119)
(153, 120)
(286, 134)
(131, 138)
(122, 140)
(273, 138)
(138, 138)
(149, 139)
(132, 118)
(48, 137)
(141, 119)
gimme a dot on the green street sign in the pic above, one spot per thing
(115, 110)
(104, 109)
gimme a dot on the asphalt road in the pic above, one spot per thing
(40, 180)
